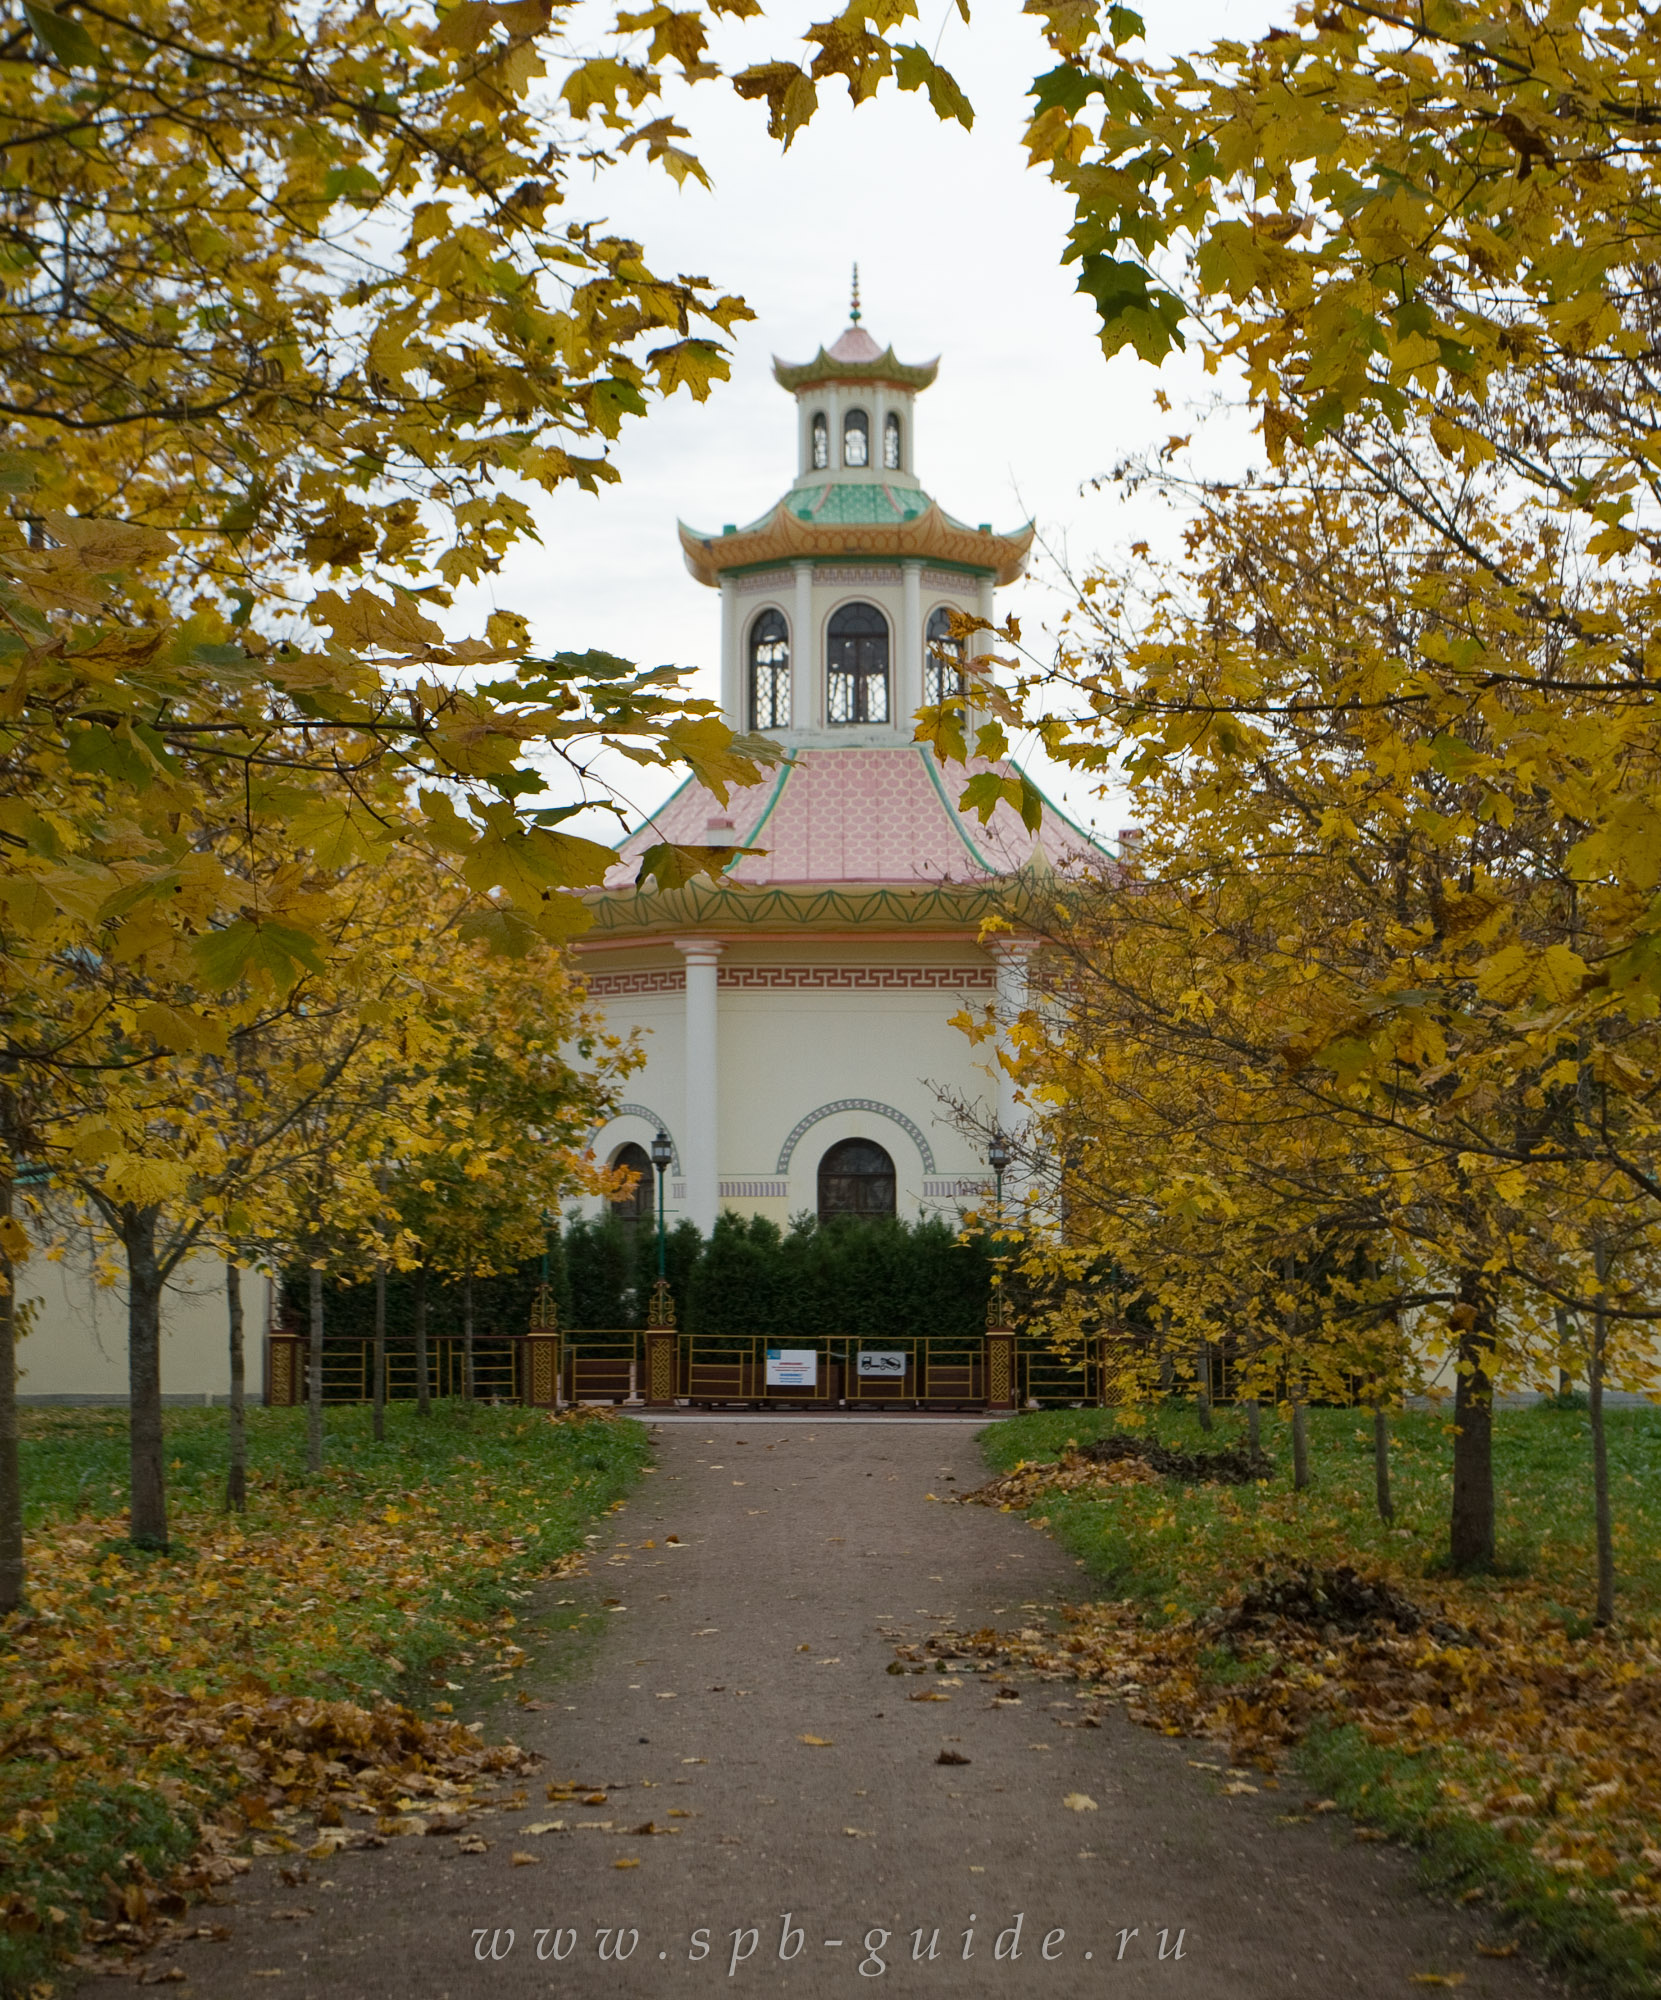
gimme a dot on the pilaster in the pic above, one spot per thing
(804, 648)
(908, 689)
(700, 1144)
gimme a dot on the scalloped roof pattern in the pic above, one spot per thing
(865, 814)
(862, 505)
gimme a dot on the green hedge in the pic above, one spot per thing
(869, 1279)
(885, 1279)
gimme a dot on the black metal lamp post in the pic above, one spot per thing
(997, 1158)
(661, 1311)
(663, 1158)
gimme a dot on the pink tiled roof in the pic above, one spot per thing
(855, 345)
(860, 815)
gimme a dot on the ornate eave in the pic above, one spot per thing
(943, 908)
(783, 536)
(826, 367)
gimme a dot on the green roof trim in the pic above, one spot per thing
(824, 367)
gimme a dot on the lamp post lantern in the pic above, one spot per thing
(661, 1311)
(998, 1157)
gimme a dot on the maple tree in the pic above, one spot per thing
(1373, 1007)
(272, 1143)
(295, 298)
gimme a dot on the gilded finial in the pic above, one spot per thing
(854, 312)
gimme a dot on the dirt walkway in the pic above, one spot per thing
(809, 1839)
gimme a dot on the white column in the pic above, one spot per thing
(700, 1147)
(908, 677)
(1010, 956)
(733, 702)
(981, 646)
(804, 706)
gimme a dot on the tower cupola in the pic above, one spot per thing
(838, 604)
(856, 409)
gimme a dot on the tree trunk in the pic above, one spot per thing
(147, 1468)
(1381, 1463)
(1565, 1333)
(467, 1384)
(380, 1351)
(236, 1477)
(1202, 1384)
(1600, 1446)
(1295, 1387)
(1471, 1525)
(423, 1395)
(314, 1384)
(11, 1470)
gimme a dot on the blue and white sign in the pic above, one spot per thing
(792, 1367)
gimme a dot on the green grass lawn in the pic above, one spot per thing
(398, 1575)
(1168, 1545)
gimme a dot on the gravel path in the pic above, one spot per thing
(808, 1838)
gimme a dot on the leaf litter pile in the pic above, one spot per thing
(165, 1717)
(1507, 1715)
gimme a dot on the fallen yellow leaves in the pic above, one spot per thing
(818, 1742)
(1080, 1802)
(226, 1737)
(1552, 1740)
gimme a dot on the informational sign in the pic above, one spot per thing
(887, 1363)
(792, 1367)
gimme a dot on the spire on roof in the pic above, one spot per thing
(853, 314)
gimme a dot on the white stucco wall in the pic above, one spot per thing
(790, 1050)
(76, 1345)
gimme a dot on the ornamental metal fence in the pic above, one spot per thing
(659, 1366)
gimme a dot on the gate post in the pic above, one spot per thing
(284, 1370)
(1000, 1352)
(542, 1356)
(662, 1348)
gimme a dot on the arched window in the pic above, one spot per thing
(891, 443)
(769, 672)
(942, 662)
(821, 441)
(856, 1178)
(640, 1203)
(856, 438)
(857, 668)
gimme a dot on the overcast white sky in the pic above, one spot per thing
(959, 247)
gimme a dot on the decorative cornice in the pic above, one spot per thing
(806, 1124)
(800, 978)
(857, 978)
(783, 536)
(957, 908)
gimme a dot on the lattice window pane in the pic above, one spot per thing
(943, 676)
(770, 672)
(857, 665)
